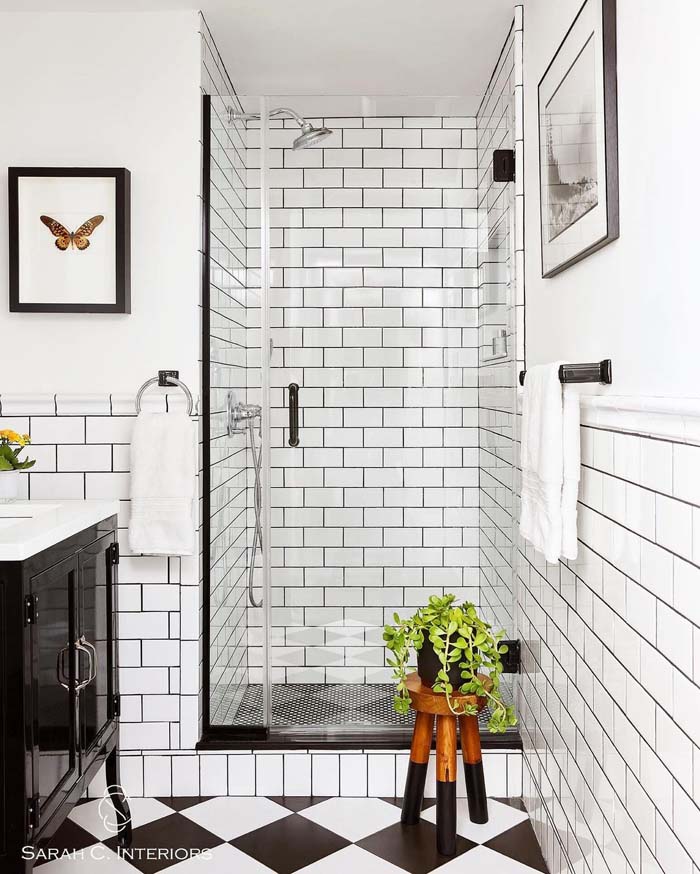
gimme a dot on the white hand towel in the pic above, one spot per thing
(550, 460)
(571, 438)
(163, 479)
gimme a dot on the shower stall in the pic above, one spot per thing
(359, 387)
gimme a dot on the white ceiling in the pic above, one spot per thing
(371, 47)
(341, 47)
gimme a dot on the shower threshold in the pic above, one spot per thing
(304, 715)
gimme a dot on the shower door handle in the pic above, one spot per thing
(293, 414)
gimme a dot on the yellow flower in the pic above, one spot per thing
(9, 436)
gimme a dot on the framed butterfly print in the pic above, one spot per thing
(69, 239)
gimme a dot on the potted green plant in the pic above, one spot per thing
(11, 444)
(457, 653)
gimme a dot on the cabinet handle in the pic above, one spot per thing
(81, 646)
(293, 414)
(93, 660)
(60, 668)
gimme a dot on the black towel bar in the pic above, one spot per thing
(597, 371)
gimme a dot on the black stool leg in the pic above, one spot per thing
(473, 768)
(417, 768)
(446, 785)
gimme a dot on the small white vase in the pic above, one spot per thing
(9, 485)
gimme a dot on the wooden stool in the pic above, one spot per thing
(428, 705)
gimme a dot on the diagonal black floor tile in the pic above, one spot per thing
(398, 802)
(68, 838)
(173, 836)
(411, 847)
(519, 843)
(182, 803)
(298, 802)
(290, 843)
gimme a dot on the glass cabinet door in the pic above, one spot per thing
(54, 672)
(95, 639)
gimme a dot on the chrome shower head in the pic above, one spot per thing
(310, 136)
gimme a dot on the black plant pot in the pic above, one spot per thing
(429, 665)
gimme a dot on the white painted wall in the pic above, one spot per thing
(122, 90)
(636, 301)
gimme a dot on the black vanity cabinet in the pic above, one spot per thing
(59, 702)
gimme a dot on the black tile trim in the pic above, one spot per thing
(225, 738)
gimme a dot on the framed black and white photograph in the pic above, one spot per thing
(579, 204)
(69, 246)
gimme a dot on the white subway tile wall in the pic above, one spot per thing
(374, 313)
(82, 450)
(610, 690)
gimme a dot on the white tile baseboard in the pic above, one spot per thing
(346, 773)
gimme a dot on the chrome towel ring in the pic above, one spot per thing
(164, 379)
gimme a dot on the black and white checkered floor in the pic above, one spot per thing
(290, 836)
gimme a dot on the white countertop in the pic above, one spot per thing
(27, 527)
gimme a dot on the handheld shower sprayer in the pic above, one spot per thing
(241, 418)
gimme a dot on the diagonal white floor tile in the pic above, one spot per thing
(229, 817)
(501, 818)
(481, 859)
(224, 859)
(88, 861)
(350, 860)
(353, 818)
(91, 816)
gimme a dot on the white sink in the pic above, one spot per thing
(14, 510)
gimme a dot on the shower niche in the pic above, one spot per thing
(356, 264)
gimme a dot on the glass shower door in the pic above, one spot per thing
(372, 312)
(231, 374)
(366, 298)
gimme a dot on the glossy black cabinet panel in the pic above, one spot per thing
(58, 686)
(3, 719)
(95, 634)
(54, 703)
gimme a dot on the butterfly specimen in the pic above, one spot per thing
(66, 239)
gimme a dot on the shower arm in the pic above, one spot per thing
(237, 115)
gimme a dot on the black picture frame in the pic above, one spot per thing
(122, 267)
(608, 24)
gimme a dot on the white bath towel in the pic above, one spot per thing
(551, 463)
(163, 478)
